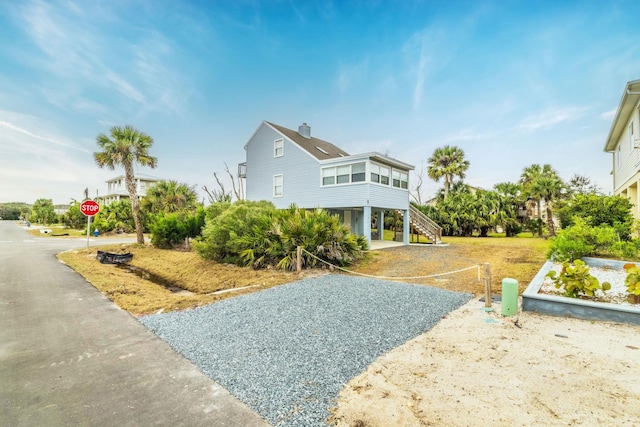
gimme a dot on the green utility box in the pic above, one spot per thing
(509, 297)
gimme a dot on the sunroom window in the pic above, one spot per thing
(328, 176)
(400, 179)
(342, 174)
(379, 174)
(358, 173)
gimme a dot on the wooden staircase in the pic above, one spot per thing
(422, 224)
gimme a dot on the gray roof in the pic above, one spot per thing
(318, 148)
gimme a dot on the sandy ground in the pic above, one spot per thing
(480, 368)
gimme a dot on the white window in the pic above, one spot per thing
(618, 157)
(342, 174)
(277, 185)
(379, 174)
(404, 180)
(631, 137)
(375, 173)
(328, 176)
(278, 148)
(358, 173)
(400, 179)
(384, 175)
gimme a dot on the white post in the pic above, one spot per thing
(487, 285)
(88, 228)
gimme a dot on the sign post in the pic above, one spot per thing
(89, 208)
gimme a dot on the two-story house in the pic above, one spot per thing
(292, 167)
(117, 188)
(623, 143)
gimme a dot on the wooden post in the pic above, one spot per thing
(299, 259)
(487, 285)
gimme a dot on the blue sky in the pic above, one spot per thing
(510, 82)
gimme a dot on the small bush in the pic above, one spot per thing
(633, 279)
(624, 250)
(169, 230)
(581, 240)
(576, 280)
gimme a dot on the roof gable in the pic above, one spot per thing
(321, 150)
(629, 100)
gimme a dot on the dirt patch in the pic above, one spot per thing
(479, 368)
(519, 259)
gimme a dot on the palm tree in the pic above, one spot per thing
(447, 162)
(550, 188)
(529, 175)
(127, 146)
(169, 196)
(509, 196)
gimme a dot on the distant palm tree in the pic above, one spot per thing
(509, 195)
(550, 188)
(126, 147)
(542, 183)
(447, 162)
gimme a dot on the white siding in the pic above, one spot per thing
(302, 180)
(629, 156)
(301, 172)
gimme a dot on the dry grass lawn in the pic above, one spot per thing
(190, 281)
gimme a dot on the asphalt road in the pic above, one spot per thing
(70, 357)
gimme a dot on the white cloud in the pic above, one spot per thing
(608, 115)
(32, 135)
(421, 51)
(551, 117)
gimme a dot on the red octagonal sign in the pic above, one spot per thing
(89, 207)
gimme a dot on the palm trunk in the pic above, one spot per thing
(539, 205)
(552, 227)
(130, 180)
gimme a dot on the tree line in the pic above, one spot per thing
(531, 203)
(258, 234)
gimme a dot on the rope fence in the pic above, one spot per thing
(487, 273)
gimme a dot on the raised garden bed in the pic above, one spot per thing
(556, 305)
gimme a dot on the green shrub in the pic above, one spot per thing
(576, 280)
(169, 230)
(115, 216)
(624, 250)
(257, 234)
(597, 210)
(582, 240)
(226, 224)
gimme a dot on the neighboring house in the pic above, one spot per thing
(288, 167)
(473, 190)
(61, 209)
(623, 143)
(117, 188)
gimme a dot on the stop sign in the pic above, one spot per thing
(89, 207)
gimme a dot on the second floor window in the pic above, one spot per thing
(618, 157)
(379, 174)
(278, 148)
(632, 141)
(400, 179)
(344, 174)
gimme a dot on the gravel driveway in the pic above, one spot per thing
(287, 351)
